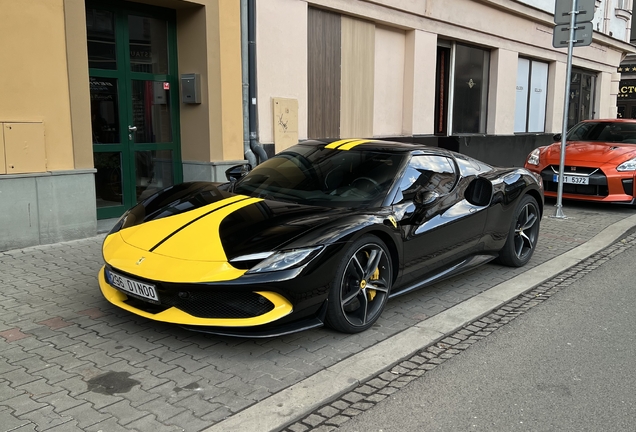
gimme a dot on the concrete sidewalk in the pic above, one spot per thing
(71, 361)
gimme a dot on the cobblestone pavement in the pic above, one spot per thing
(71, 361)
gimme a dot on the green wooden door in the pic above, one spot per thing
(134, 103)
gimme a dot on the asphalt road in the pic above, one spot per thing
(565, 365)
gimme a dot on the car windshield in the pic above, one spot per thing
(319, 176)
(615, 132)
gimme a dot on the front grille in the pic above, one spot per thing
(201, 301)
(596, 187)
(224, 304)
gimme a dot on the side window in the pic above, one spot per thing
(427, 173)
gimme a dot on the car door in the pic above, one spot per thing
(438, 224)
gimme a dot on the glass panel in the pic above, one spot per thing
(621, 111)
(100, 32)
(575, 99)
(151, 112)
(521, 101)
(104, 110)
(538, 96)
(108, 181)
(148, 44)
(587, 91)
(470, 89)
(154, 172)
(426, 173)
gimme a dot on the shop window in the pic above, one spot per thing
(530, 105)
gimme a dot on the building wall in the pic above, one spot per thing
(36, 87)
(47, 186)
(389, 91)
(282, 54)
(46, 180)
(406, 35)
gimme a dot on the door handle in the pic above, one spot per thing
(132, 128)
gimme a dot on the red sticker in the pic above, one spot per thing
(166, 86)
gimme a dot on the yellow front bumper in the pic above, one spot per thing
(282, 307)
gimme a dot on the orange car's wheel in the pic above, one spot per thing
(523, 234)
(361, 287)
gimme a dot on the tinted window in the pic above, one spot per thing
(470, 100)
(604, 131)
(427, 173)
(320, 176)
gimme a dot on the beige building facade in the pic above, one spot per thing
(479, 77)
(106, 102)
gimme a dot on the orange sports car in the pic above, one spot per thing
(600, 162)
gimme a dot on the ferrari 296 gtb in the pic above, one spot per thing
(322, 233)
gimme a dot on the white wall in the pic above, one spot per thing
(388, 95)
(281, 45)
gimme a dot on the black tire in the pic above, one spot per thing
(361, 286)
(523, 234)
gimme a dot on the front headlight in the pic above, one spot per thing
(533, 157)
(629, 165)
(284, 260)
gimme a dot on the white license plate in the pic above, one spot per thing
(133, 287)
(572, 179)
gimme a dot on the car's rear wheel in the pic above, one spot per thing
(523, 234)
(361, 287)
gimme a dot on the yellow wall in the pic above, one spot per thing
(34, 83)
(79, 93)
(209, 43)
(44, 76)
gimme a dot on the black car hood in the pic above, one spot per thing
(196, 220)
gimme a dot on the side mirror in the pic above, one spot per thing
(237, 171)
(556, 137)
(425, 197)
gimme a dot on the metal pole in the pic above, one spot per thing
(566, 106)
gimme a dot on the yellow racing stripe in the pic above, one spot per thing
(336, 144)
(148, 234)
(150, 265)
(351, 145)
(201, 240)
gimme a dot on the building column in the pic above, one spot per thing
(419, 83)
(501, 93)
(606, 93)
(556, 93)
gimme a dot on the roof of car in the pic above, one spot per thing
(372, 144)
(621, 120)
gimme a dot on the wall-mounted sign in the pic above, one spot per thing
(627, 89)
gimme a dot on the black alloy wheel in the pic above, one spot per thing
(523, 235)
(361, 287)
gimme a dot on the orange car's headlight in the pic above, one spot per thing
(533, 157)
(629, 165)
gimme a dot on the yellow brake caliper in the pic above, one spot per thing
(374, 276)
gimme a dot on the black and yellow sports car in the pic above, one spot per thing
(322, 233)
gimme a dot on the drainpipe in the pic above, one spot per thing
(254, 152)
(249, 154)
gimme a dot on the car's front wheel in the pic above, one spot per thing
(523, 234)
(361, 287)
